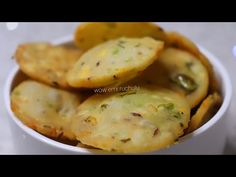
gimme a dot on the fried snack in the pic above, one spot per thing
(182, 42)
(89, 35)
(179, 71)
(46, 63)
(146, 119)
(206, 110)
(114, 62)
(45, 109)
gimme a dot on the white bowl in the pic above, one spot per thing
(208, 139)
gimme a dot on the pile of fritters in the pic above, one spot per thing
(171, 89)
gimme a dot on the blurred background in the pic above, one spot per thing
(218, 38)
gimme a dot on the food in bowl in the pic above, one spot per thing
(85, 37)
(45, 109)
(145, 90)
(145, 120)
(114, 62)
(46, 63)
(179, 71)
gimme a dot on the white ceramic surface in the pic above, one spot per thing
(211, 135)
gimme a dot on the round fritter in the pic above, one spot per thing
(207, 109)
(141, 120)
(46, 63)
(114, 62)
(45, 109)
(182, 42)
(91, 34)
(179, 71)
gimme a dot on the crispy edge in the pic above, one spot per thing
(207, 108)
(108, 33)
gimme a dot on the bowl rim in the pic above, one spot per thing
(218, 67)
